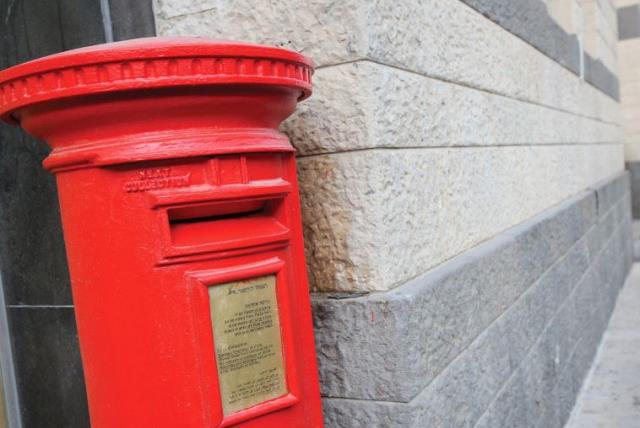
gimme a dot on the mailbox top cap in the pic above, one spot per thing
(153, 62)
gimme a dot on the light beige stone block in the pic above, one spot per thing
(632, 147)
(455, 43)
(568, 14)
(602, 16)
(440, 38)
(376, 218)
(629, 52)
(328, 31)
(624, 3)
(364, 105)
(629, 60)
(166, 9)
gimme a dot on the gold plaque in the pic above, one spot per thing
(248, 344)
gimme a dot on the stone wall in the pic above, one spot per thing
(629, 48)
(464, 250)
(500, 336)
(423, 137)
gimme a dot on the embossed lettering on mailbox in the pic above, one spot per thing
(248, 342)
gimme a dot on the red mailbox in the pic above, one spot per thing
(181, 216)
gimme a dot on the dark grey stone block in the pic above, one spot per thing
(466, 391)
(509, 408)
(596, 73)
(567, 389)
(344, 413)
(629, 22)
(41, 28)
(613, 208)
(49, 370)
(30, 225)
(610, 190)
(634, 173)
(540, 376)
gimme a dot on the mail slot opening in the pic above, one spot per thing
(225, 225)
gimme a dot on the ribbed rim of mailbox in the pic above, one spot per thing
(147, 63)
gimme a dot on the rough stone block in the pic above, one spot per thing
(509, 407)
(599, 75)
(351, 228)
(540, 376)
(609, 191)
(408, 335)
(483, 55)
(344, 413)
(412, 35)
(538, 349)
(329, 32)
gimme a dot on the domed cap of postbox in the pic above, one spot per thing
(150, 63)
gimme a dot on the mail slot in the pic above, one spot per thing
(181, 217)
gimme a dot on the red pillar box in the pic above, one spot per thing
(181, 217)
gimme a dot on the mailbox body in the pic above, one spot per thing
(166, 192)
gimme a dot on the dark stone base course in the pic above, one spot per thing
(500, 336)
(634, 172)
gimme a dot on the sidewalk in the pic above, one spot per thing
(610, 397)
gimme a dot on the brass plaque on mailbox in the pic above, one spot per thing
(248, 343)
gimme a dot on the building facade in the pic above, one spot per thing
(466, 207)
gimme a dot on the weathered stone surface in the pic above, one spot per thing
(339, 413)
(536, 352)
(132, 19)
(171, 9)
(451, 41)
(598, 235)
(365, 104)
(407, 336)
(610, 394)
(351, 227)
(442, 39)
(531, 21)
(509, 408)
(329, 32)
(609, 191)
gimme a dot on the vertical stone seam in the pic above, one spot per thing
(107, 24)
